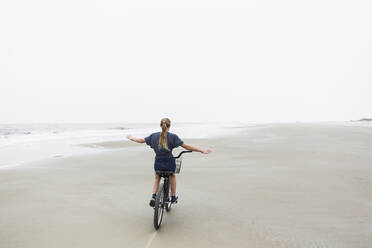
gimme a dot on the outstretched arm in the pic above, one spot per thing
(138, 140)
(191, 148)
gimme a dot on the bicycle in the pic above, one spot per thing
(163, 196)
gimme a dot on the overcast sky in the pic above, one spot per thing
(137, 61)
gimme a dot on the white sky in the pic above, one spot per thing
(137, 61)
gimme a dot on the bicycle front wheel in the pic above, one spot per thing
(159, 206)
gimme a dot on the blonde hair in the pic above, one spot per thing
(165, 125)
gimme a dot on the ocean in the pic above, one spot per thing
(23, 143)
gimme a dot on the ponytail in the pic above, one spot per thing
(165, 125)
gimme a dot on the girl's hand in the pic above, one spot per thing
(206, 151)
(130, 137)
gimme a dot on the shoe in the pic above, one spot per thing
(174, 199)
(152, 201)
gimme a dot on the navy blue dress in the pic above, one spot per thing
(164, 160)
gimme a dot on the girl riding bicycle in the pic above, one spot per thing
(163, 143)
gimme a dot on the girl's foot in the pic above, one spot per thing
(174, 199)
(152, 201)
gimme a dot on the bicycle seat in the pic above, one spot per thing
(164, 173)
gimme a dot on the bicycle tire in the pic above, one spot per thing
(158, 209)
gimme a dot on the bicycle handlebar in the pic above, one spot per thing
(179, 155)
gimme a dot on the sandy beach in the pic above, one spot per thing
(276, 185)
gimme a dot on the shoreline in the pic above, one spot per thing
(17, 152)
(64, 150)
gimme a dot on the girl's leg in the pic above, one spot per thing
(173, 184)
(155, 186)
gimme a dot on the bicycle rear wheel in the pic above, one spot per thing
(159, 204)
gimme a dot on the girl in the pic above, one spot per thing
(163, 143)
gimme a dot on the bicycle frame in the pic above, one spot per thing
(163, 195)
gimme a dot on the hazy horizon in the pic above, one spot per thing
(174, 123)
(196, 61)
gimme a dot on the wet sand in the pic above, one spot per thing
(281, 185)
